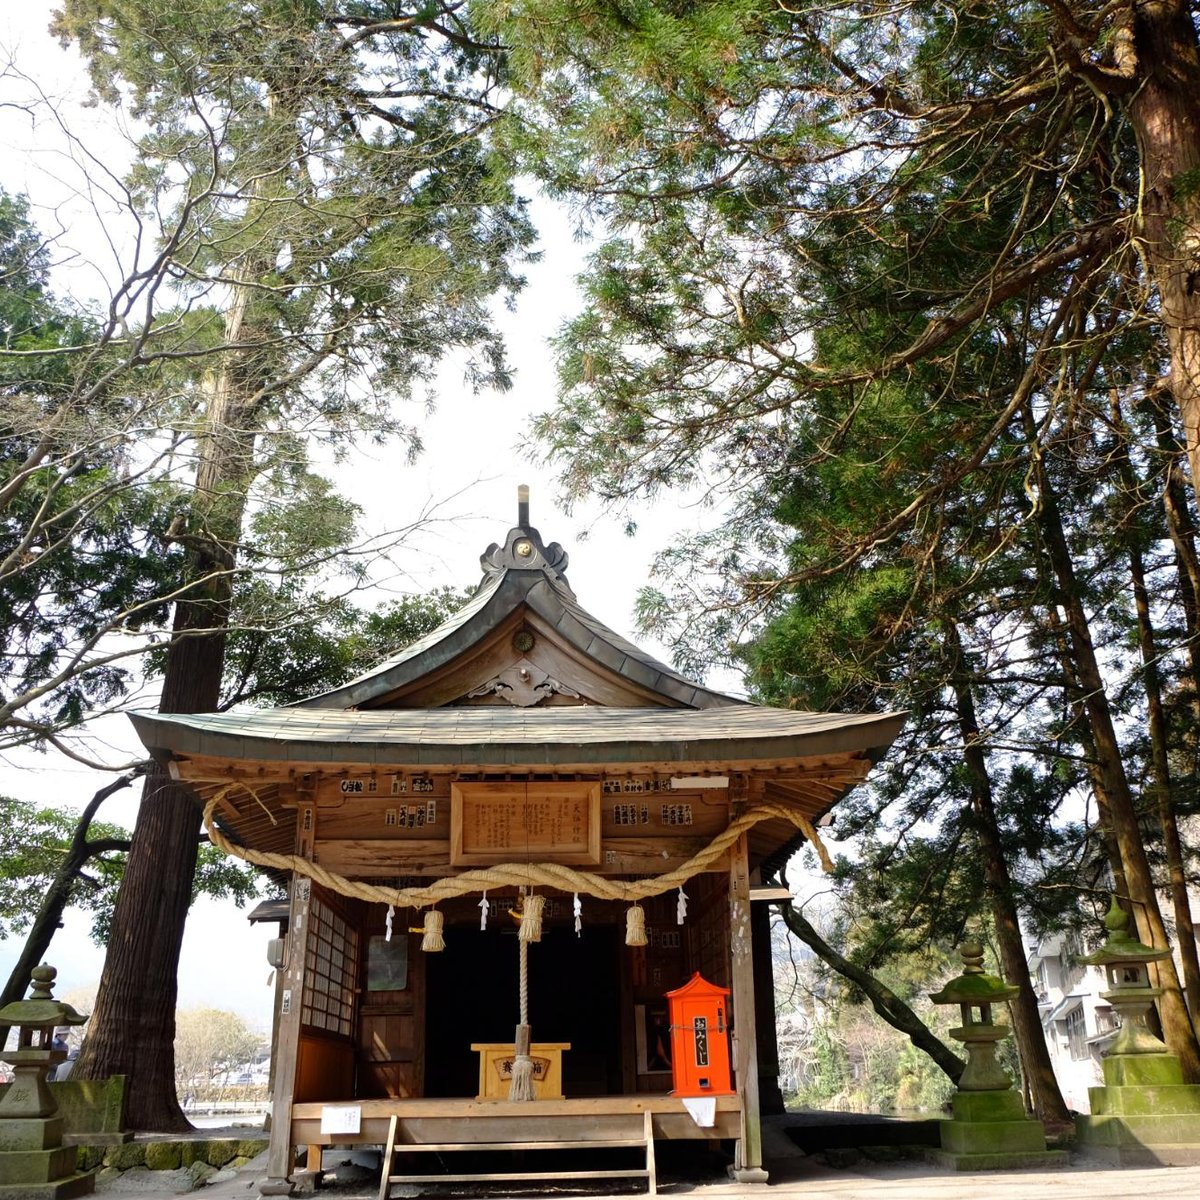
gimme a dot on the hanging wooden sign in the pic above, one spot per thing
(525, 822)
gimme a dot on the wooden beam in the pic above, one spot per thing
(423, 817)
(770, 893)
(461, 1120)
(213, 770)
(383, 858)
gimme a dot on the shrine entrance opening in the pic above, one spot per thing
(574, 997)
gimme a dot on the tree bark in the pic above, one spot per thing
(132, 1031)
(766, 1033)
(883, 1000)
(1074, 693)
(1180, 522)
(1166, 122)
(1176, 1021)
(1182, 527)
(58, 896)
(1160, 762)
(1044, 1091)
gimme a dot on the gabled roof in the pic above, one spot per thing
(524, 577)
(521, 681)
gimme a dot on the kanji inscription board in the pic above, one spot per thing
(525, 822)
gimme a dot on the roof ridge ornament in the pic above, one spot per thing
(524, 550)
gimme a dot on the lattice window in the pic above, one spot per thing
(330, 971)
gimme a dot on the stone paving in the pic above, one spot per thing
(859, 1174)
(797, 1179)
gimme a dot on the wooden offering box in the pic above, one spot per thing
(495, 1069)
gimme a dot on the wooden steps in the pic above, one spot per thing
(603, 1132)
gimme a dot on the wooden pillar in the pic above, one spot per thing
(747, 1165)
(770, 1098)
(280, 1157)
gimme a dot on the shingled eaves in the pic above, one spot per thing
(491, 737)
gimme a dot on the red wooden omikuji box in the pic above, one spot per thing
(700, 1039)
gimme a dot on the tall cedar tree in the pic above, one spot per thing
(334, 160)
(815, 202)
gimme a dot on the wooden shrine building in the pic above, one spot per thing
(522, 750)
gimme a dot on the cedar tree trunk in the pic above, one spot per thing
(883, 1000)
(1165, 114)
(132, 1031)
(1160, 761)
(1122, 809)
(1044, 1091)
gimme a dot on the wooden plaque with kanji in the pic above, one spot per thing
(525, 822)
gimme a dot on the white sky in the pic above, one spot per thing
(471, 463)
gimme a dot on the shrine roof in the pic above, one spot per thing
(498, 736)
(526, 573)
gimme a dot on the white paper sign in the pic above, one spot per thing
(341, 1119)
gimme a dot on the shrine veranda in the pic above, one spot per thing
(520, 748)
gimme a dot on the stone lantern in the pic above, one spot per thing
(1130, 992)
(1144, 1114)
(975, 992)
(34, 1164)
(990, 1130)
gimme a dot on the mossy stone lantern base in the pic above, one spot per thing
(1145, 1114)
(34, 1164)
(990, 1130)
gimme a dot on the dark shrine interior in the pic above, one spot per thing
(472, 996)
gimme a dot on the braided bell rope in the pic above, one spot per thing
(513, 874)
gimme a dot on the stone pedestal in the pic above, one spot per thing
(34, 1164)
(48, 1174)
(990, 1132)
(1144, 1115)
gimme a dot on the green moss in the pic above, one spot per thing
(123, 1157)
(988, 1106)
(993, 1137)
(221, 1152)
(90, 1157)
(200, 1172)
(1140, 1070)
(163, 1156)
